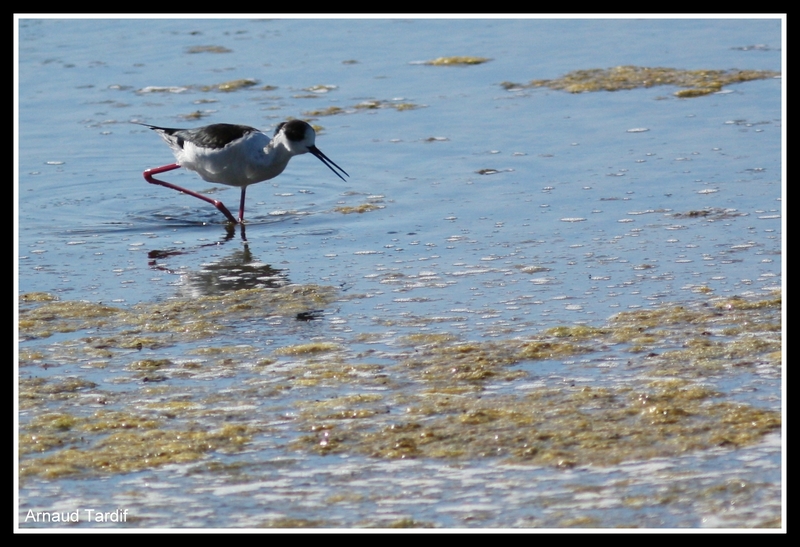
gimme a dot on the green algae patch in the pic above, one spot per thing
(364, 105)
(304, 349)
(578, 332)
(178, 320)
(348, 407)
(697, 82)
(549, 350)
(439, 361)
(738, 303)
(134, 450)
(117, 442)
(194, 116)
(37, 297)
(233, 85)
(319, 370)
(408, 523)
(666, 410)
(287, 523)
(150, 364)
(427, 394)
(427, 339)
(54, 316)
(360, 209)
(457, 61)
(561, 428)
(110, 420)
(695, 341)
(470, 361)
(33, 392)
(329, 111)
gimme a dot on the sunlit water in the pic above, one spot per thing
(499, 212)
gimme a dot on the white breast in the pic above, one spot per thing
(242, 162)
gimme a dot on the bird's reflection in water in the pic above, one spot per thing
(239, 270)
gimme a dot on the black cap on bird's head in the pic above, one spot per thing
(300, 132)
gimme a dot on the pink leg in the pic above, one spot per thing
(241, 206)
(148, 176)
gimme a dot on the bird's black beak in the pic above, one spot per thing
(327, 161)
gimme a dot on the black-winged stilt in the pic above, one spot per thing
(236, 155)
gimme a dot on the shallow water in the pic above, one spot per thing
(496, 214)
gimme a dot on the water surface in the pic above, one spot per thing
(489, 214)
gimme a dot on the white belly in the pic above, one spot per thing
(239, 164)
